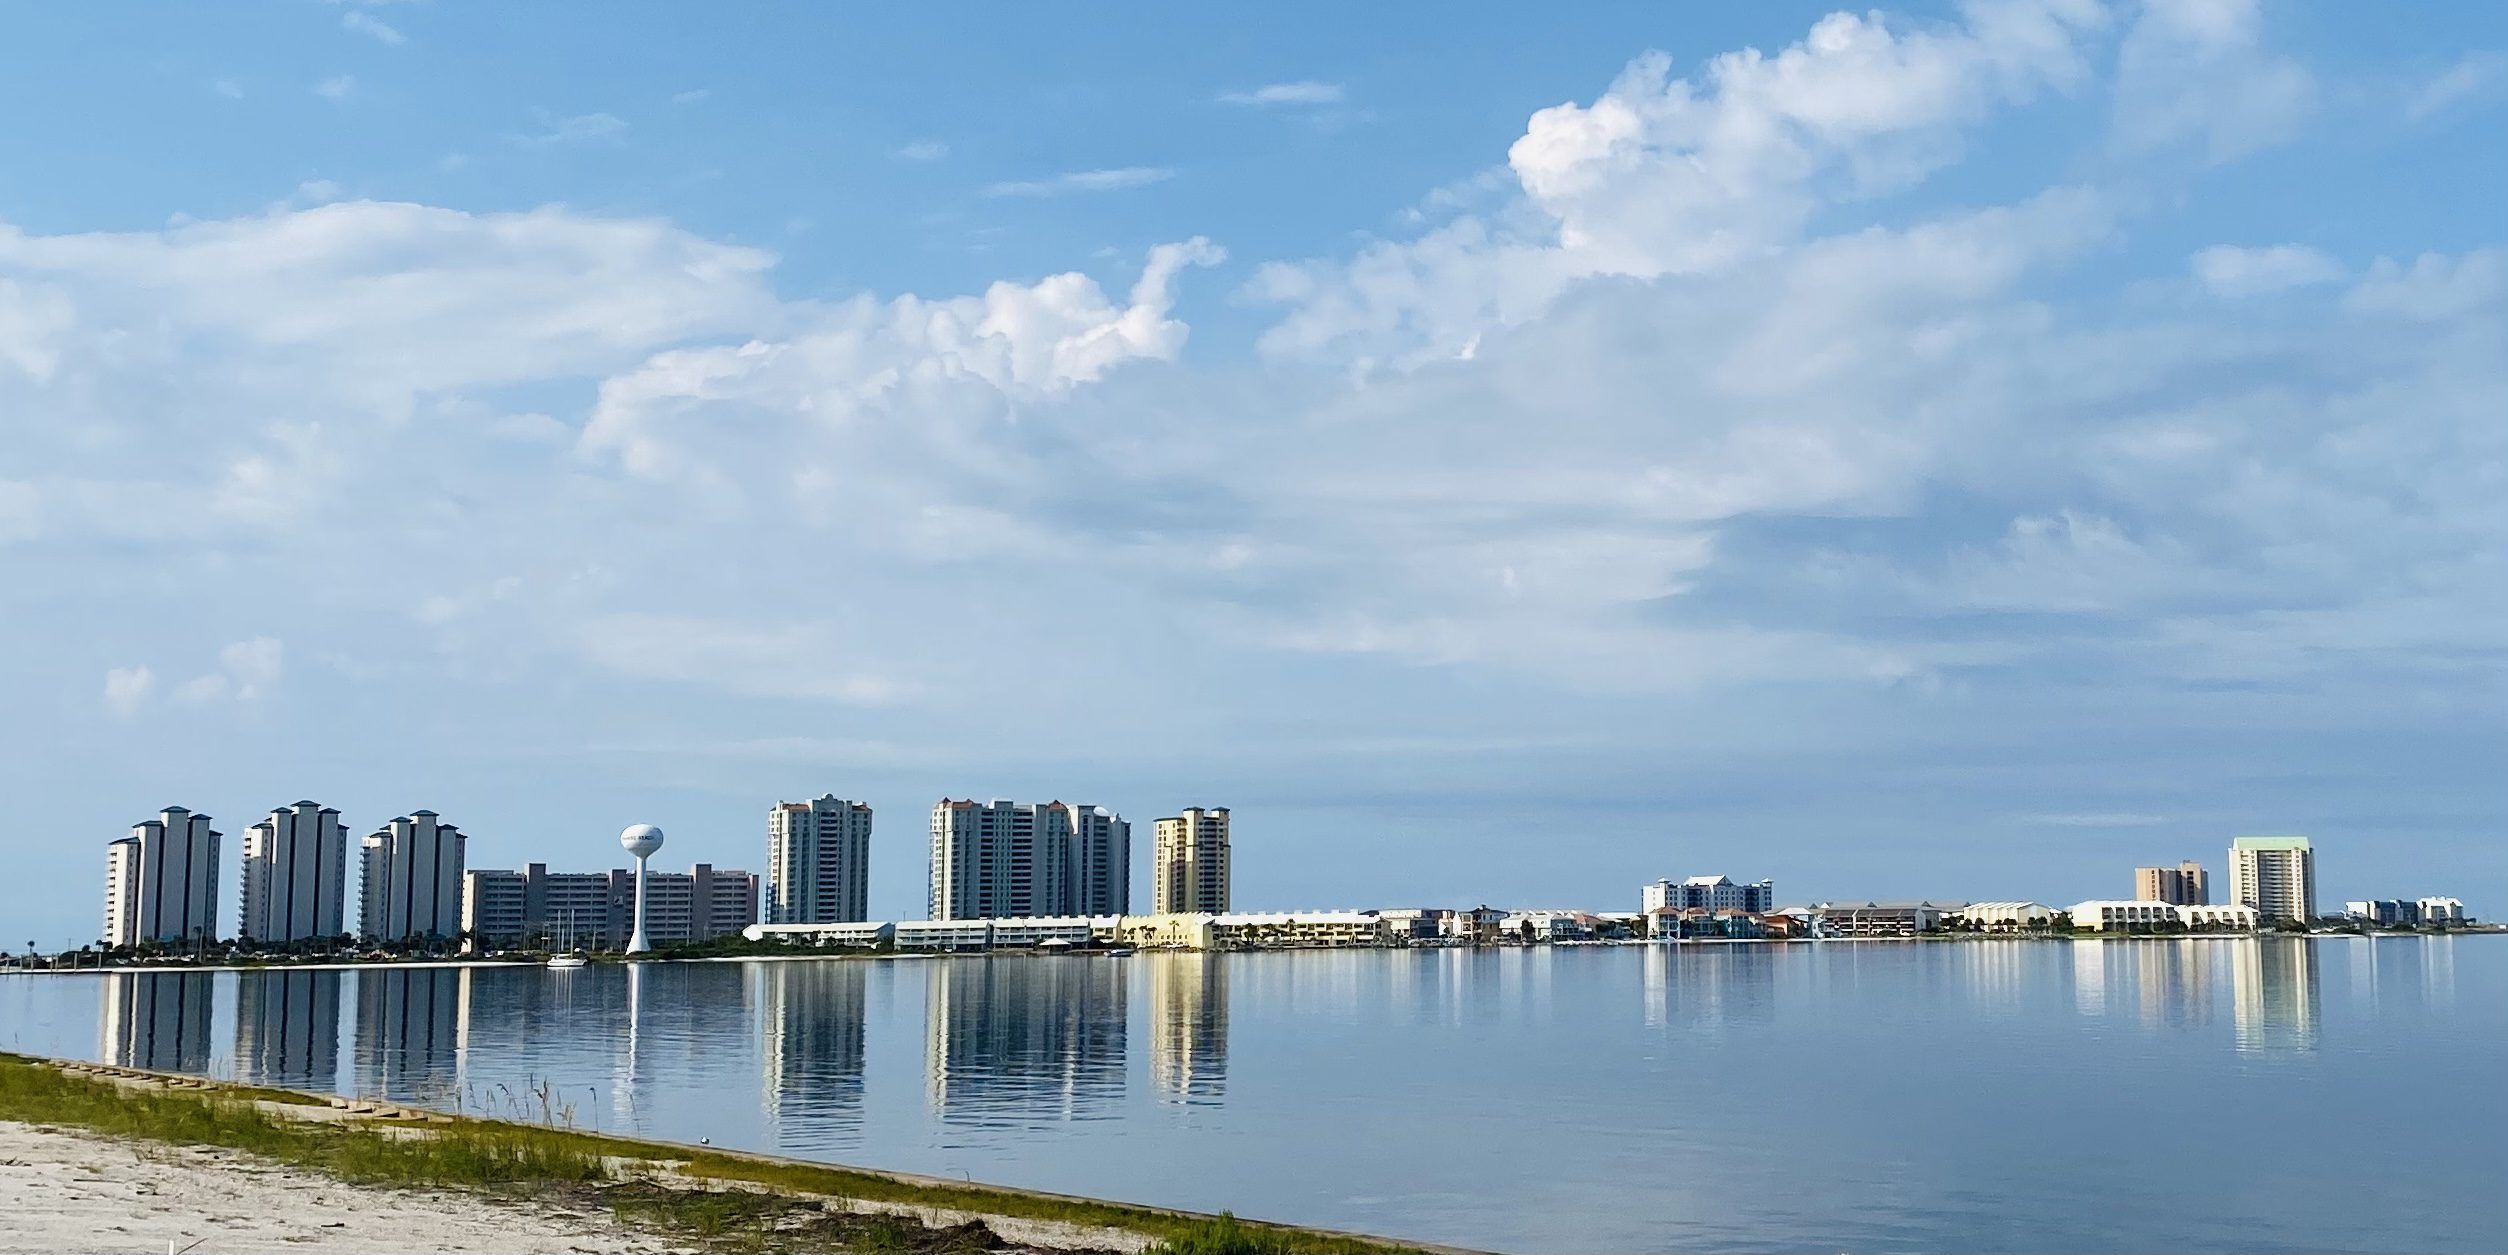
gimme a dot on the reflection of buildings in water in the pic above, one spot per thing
(812, 1049)
(287, 1028)
(157, 1020)
(2098, 974)
(1707, 984)
(413, 1025)
(1189, 1026)
(2174, 979)
(1013, 1040)
(2391, 975)
(2274, 983)
(1995, 969)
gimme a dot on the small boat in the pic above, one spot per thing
(572, 958)
(1120, 952)
(566, 961)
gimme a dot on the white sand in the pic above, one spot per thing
(72, 1192)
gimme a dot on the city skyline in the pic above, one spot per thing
(1955, 449)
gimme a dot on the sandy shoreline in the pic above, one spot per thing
(72, 1192)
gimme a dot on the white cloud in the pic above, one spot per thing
(228, 88)
(1303, 92)
(126, 689)
(336, 87)
(1116, 179)
(2195, 74)
(2231, 271)
(923, 150)
(372, 27)
(247, 672)
(692, 96)
(582, 128)
(2474, 75)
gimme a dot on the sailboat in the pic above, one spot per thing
(568, 957)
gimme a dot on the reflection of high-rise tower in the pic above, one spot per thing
(1189, 1026)
(412, 1025)
(812, 1051)
(157, 1020)
(1015, 1041)
(1706, 986)
(287, 1029)
(2274, 980)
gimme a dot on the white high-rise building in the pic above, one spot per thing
(412, 886)
(161, 882)
(1190, 875)
(818, 862)
(1712, 893)
(295, 876)
(998, 859)
(2275, 875)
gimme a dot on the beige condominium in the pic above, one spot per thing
(2182, 885)
(2275, 875)
(1192, 862)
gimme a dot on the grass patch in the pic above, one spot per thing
(519, 1157)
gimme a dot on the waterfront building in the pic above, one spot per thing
(2406, 912)
(1528, 927)
(818, 861)
(1673, 923)
(2275, 875)
(2183, 885)
(1002, 859)
(1714, 893)
(1191, 862)
(2004, 917)
(596, 910)
(1294, 930)
(1476, 926)
(161, 882)
(2447, 911)
(411, 888)
(1884, 919)
(853, 934)
(2116, 916)
(2138, 916)
(1405, 925)
(294, 885)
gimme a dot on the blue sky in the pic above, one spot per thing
(1949, 450)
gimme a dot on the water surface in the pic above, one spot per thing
(2203, 1095)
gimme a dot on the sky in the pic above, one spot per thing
(1951, 450)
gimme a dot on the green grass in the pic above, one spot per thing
(495, 1154)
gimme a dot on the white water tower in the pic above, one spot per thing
(641, 841)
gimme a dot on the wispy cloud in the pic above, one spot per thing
(583, 128)
(126, 688)
(228, 88)
(2099, 819)
(2473, 75)
(923, 150)
(373, 27)
(336, 87)
(1114, 180)
(690, 96)
(1303, 92)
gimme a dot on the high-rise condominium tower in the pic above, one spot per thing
(161, 882)
(412, 887)
(295, 878)
(996, 859)
(818, 862)
(2184, 885)
(1191, 869)
(2275, 875)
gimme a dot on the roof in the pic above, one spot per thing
(2269, 843)
(2007, 906)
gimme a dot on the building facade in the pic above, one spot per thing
(161, 882)
(2183, 885)
(2275, 875)
(1713, 893)
(818, 861)
(2005, 917)
(411, 885)
(2108, 915)
(1190, 868)
(294, 885)
(1000, 859)
(596, 910)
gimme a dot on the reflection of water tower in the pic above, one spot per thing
(641, 841)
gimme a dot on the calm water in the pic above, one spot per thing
(2126, 1096)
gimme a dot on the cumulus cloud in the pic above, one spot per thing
(2197, 74)
(1110, 180)
(2473, 76)
(247, 671)
(1302, 92)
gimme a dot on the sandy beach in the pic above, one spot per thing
(75, 1193)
